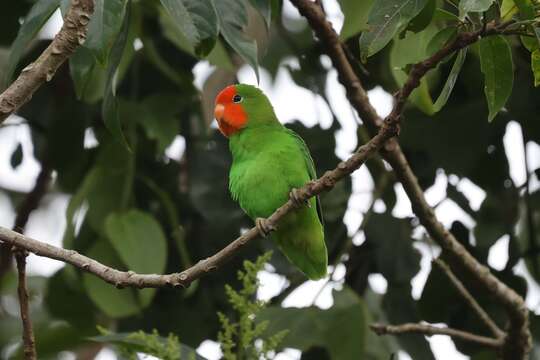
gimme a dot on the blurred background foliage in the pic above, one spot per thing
(104, 123)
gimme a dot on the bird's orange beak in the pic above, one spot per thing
(218, 112)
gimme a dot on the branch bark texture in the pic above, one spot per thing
(518, 343)
(71, 35)
(29, 343)
(429, 330)
(29, 204)
(128, 278)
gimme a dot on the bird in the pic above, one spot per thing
(270, 162)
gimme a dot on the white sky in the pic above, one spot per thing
(48, 222)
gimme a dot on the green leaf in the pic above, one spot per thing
(196, 20)
(332, 328)
(233, 18)
(508, 9)
(440, 39)
(114, 302)
(104, 26)
(157, 117)
(392, 235)
(33, 22)
(264, 7)
(16, 156)
(89, 77)
(526, 9)
(139, 241)
(356, 17)
(386, 19)
(467, 6)
(535, 65)
(110, 105)
(110, 183)
(498, 70)
(410, 50)
(451, 80)
(423, 19)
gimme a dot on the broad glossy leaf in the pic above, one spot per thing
(264, 7)
(526, 9)
(197, 20)
(138, 240)
(508, 9)
(33, 22)
(16, 156)
(341, 329)
(423, 19)
(535, 65)
(88, 76)
(157, 116)
(390, 235)
(356, 17)
(114, 302)
(233, 18)
(440, 39)
(110, 106)
(386, 19)
(466, 6)
(110, 183)
(498, 70)
(104, 27)
(451, 80)
(410, 50)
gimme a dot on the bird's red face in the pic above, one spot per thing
(229, 112)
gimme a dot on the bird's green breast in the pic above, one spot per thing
(267, 164)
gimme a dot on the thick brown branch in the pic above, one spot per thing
(429, 330)
(122, 279)
(72, 34)
(473, 304)
(518, 342)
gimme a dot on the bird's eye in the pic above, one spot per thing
(237, 98)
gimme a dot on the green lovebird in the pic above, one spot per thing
(269, 163)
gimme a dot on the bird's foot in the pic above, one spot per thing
(295, 198)
(264, 226)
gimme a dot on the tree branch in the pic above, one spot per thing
(29, 344)
(482, 314)
(122, 278)
(429, 330)
(29, 204)
(518, 341)
(71, 35)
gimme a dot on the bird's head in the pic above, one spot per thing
(240, 106)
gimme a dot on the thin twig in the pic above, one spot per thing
(469, 299)
(429, 330)
(29, 204)
(518, 341)
(71, 35)
(29, 344)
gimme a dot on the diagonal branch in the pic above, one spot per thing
(122, 278)
(429, 330)
(72, 34)
(473, 304)
(518, 341)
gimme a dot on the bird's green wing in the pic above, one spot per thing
(310, 166)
